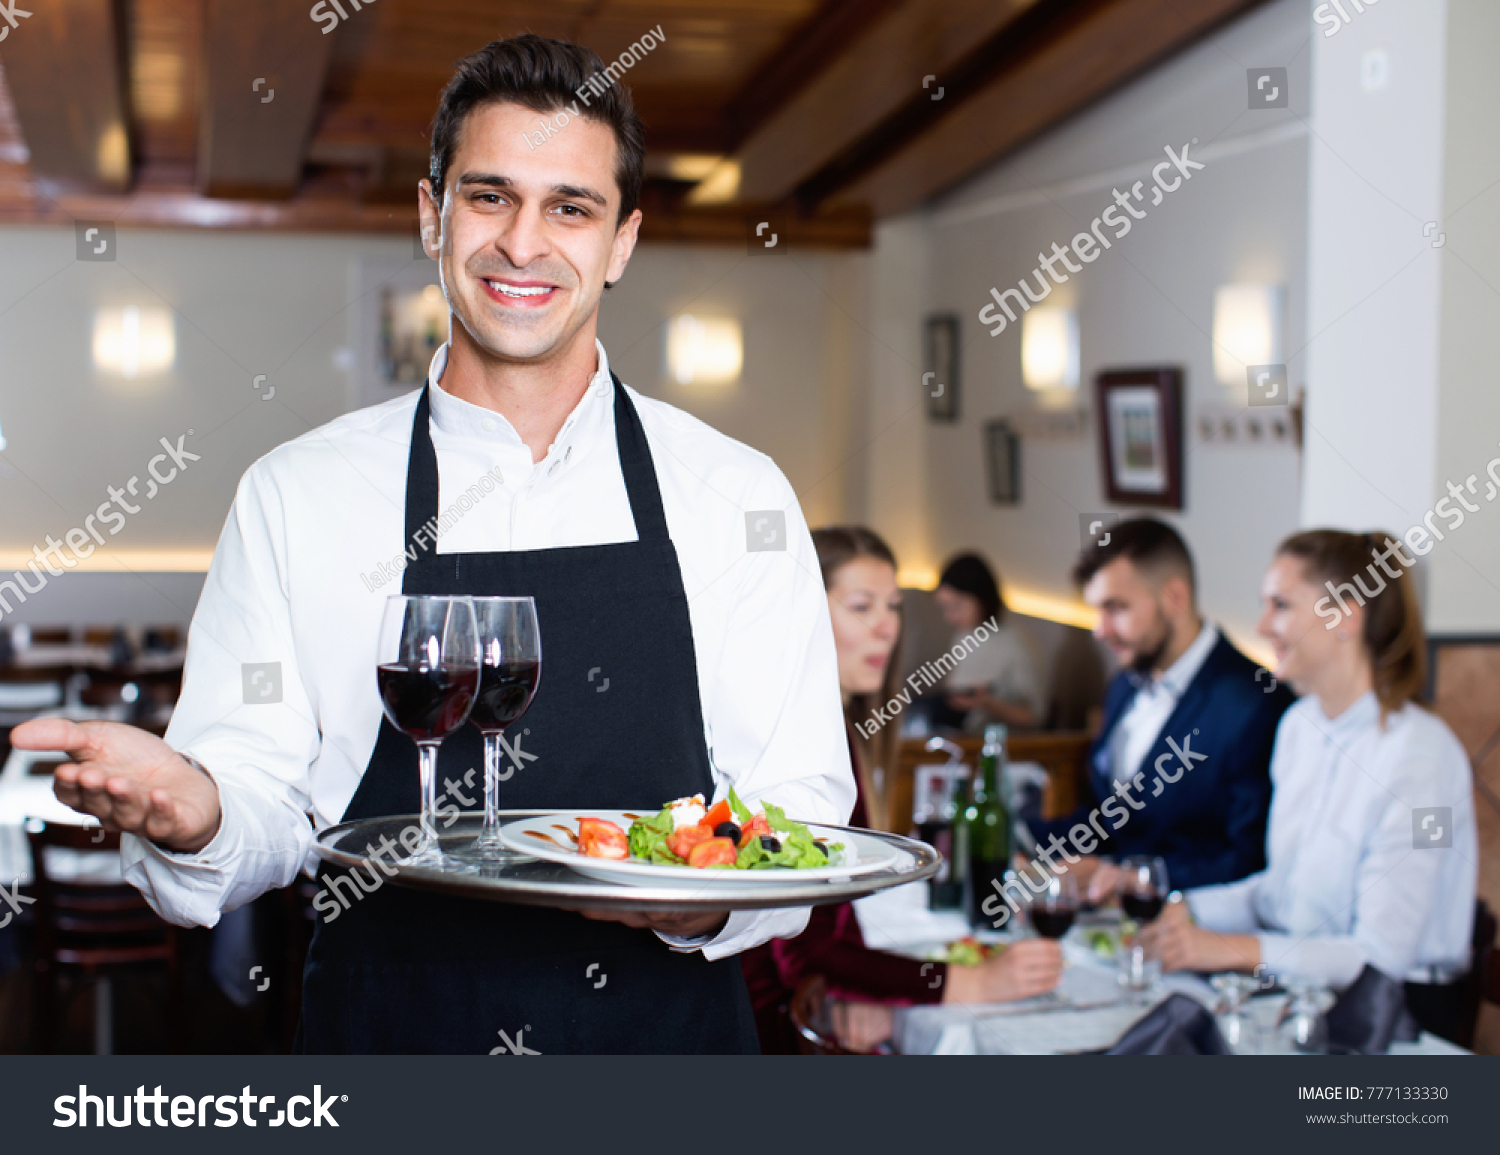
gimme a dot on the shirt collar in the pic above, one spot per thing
(1180, 674)
(1363, 712)
(453, 415)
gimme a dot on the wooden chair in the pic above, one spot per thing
(813, 1019)
(1064, 755)
(95, 932)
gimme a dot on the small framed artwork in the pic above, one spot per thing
(940, 366)
(1002, 458)
(1140, 436)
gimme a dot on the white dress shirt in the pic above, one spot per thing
(304, 566)
(1137, 730)
(1354, 874)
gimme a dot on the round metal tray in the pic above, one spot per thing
(551, 884)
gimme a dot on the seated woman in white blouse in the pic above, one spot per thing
(1371, 849)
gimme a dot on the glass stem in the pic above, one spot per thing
(427, 756)
(490, 834)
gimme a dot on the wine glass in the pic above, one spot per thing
(511, 665)
(1054, 909)
(428, 674)
(1232, 1014)
(1301, 1028)
(1142, 890)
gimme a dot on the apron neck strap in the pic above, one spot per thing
(630, 439)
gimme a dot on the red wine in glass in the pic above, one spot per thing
(505, 691)
(1052, 922)
(425, 703)
(1143, 906)
(511, 649)
(427, 674)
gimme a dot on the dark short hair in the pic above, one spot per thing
(968, 573)
(1148, 543)
(545, 76)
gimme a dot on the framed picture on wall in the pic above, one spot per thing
(1002, 458)
(940, 366)
(1140, 436)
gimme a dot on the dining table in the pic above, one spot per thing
(1088, 1012)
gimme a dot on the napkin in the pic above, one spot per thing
(1178, 1026)
(1369, 1015)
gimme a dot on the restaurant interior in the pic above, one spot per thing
(209, 246)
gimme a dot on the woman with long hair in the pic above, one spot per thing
(1354, 874)
(864, 602)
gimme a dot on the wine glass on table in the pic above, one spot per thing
(428, 674)
(1052, 912)
(1142, 890)
(510, 667)
(1055, 908)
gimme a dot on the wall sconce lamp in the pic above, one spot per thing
(704, 350)
(1049, 349)
(133, 342)
(1247, 330)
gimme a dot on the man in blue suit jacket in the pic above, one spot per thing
(1184, 700)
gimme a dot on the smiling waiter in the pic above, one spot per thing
(677, 660)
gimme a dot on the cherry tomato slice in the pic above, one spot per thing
(600, 838)
(683, 841)
(714, 852)
(717, 813)
(754, 829)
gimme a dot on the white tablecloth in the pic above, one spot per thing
(1096, 1013)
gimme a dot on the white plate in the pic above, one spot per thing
(546, 838)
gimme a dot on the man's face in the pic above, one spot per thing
(528, 231)
(1133, 622)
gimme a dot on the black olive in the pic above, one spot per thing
(822, 847)
(769, 844)
(728, 830)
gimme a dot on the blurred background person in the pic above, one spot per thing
(1181, 686)
(1347, 880)
(864, 601)
(996, 681)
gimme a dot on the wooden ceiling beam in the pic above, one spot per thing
(264, 73)
(65, 67)
(1050, 64)
(872, 78)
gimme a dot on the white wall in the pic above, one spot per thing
(1147, 301)
(285, 306)
(1464, 589)
(1376, 177)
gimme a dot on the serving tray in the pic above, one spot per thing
(540, 883)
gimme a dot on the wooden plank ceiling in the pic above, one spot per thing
(214, 113)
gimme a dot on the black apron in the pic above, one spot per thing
(406, 971)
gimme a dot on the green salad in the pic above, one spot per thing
(727, 836)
